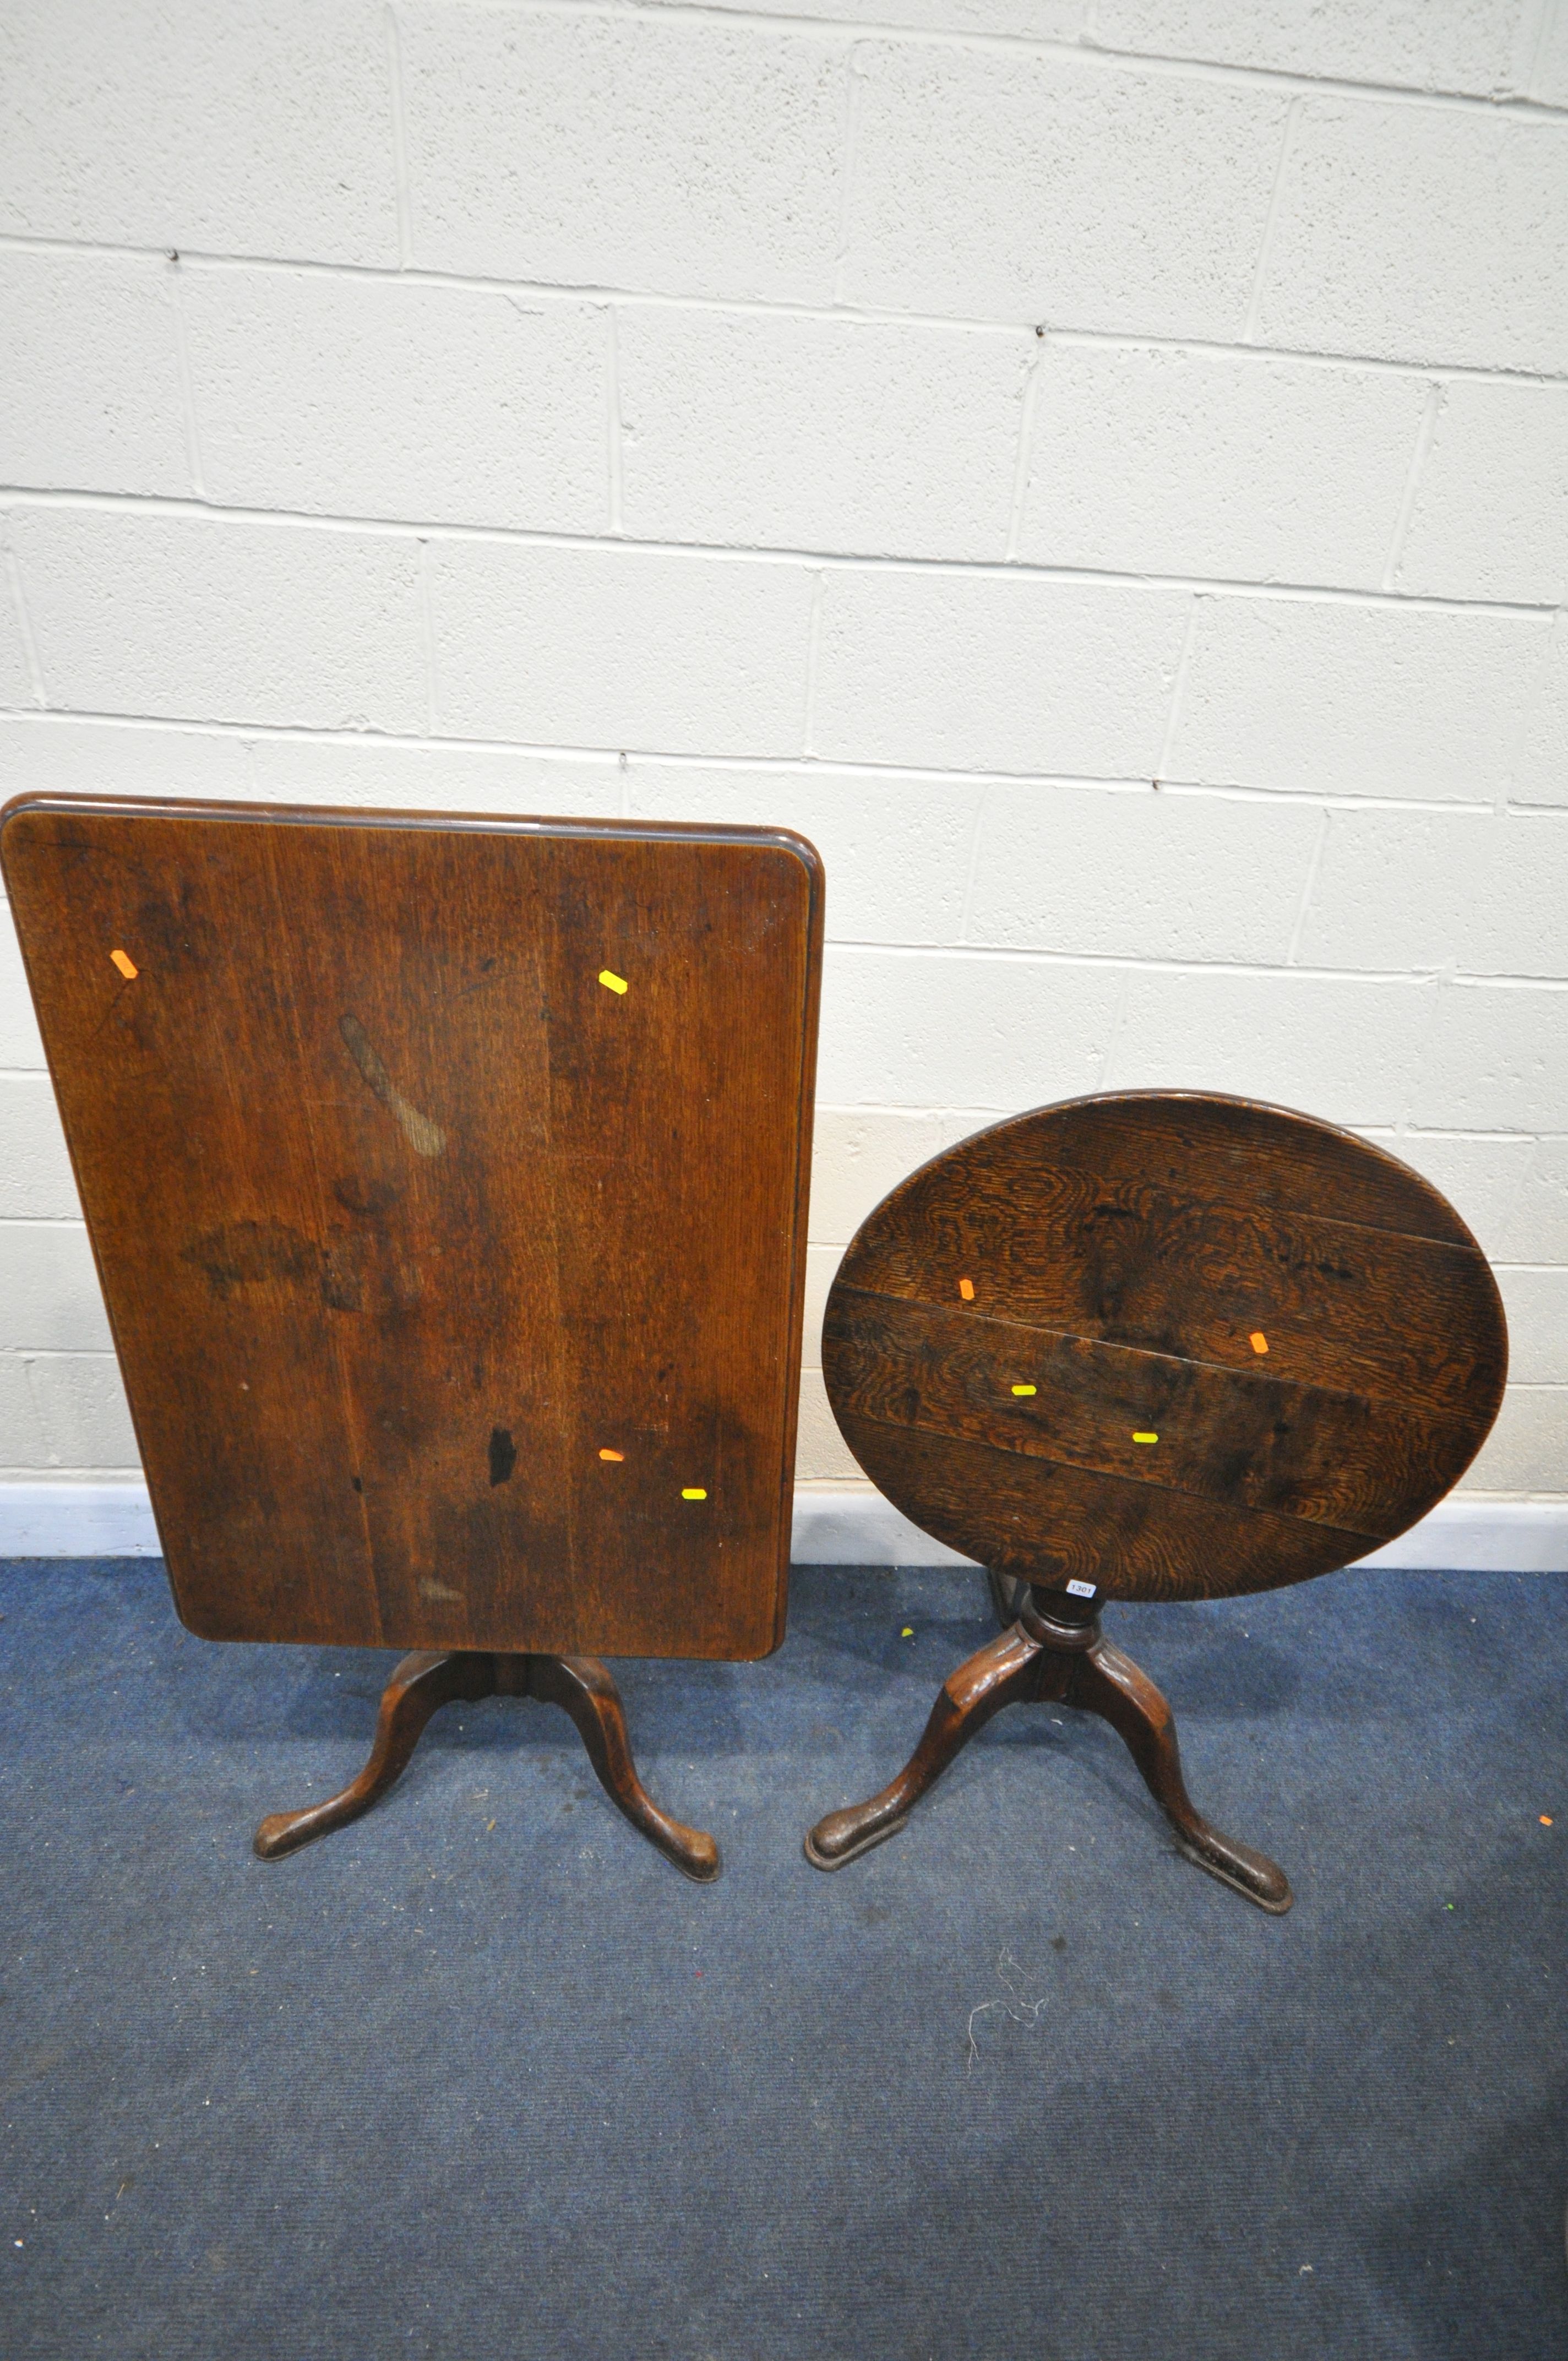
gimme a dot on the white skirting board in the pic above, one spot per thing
(833, 1526)
(1467, 1533)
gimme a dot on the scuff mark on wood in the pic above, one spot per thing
(343, 1271)
(425, 1137)
(241, 1253)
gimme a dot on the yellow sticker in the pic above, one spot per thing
(612, 1454)
(1023, 1390)
(693, 1492)
(611, 982)
(908, 1634)
(1144, 1438)
(1258, 1341)
(125, 964)
(966, 1289)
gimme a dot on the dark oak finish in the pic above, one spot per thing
(405, 1220)
(1237, 1439)
(1123, 1253)
(447, 1182)
(1055, 1655)
(424, 1681)
(1159, 1345)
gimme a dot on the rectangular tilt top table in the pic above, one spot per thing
(447, 1182)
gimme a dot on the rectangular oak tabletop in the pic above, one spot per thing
(447, 1182)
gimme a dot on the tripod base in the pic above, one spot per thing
(424, 1683)
(1054, 1653)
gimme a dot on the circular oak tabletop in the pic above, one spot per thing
(1173, 1346)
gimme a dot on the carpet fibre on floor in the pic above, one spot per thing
(483, 2076)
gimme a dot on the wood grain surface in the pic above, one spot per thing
(1153, 1341)
(447, 1182)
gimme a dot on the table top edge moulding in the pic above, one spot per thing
(354, 816)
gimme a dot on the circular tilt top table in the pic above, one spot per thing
(1143, 1346)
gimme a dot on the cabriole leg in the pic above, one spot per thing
(1002, 1673)
(1109, 1684)
(421, 1685)
(587, 1690)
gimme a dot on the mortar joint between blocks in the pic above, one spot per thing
(1033, 359)
(1266, 247)
(24, 620)
(848, 154)
(187, 381)
(615, 454)
(401, 186)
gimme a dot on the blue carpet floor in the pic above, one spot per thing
(482, 2077)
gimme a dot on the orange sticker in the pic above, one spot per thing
(125, 964)
(612, 1454)
(1258, 1341)
(966, 1289)
(1546, 1819)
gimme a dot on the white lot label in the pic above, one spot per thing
(1080, 1590)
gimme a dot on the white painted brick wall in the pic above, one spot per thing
(1490, 515)
(1495, 1059)
(90, 348)
(1522, 1456)
(1537, 1304)
(363, 398)
(23, 1443)
(897, 848)
(1348, 697)
(1487, 1173)
(928, 423)
(1478, 893)
(615, 647)
(16, 671)
(20, 1045)
(1534, 1227)
(1125, 876)
(1421, 234)
(80, 1406)
(36, 1183)
(987, 672)
(1484, 46)
(244, 127)
(1001, 185)
(1549, 81)
(961, 1028)
(768, 430)
(135, 610)
(1041, 20)
(51, 1290)
(686, 156)
(1540, 769)
(1155, 459)
(1347, 1048)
